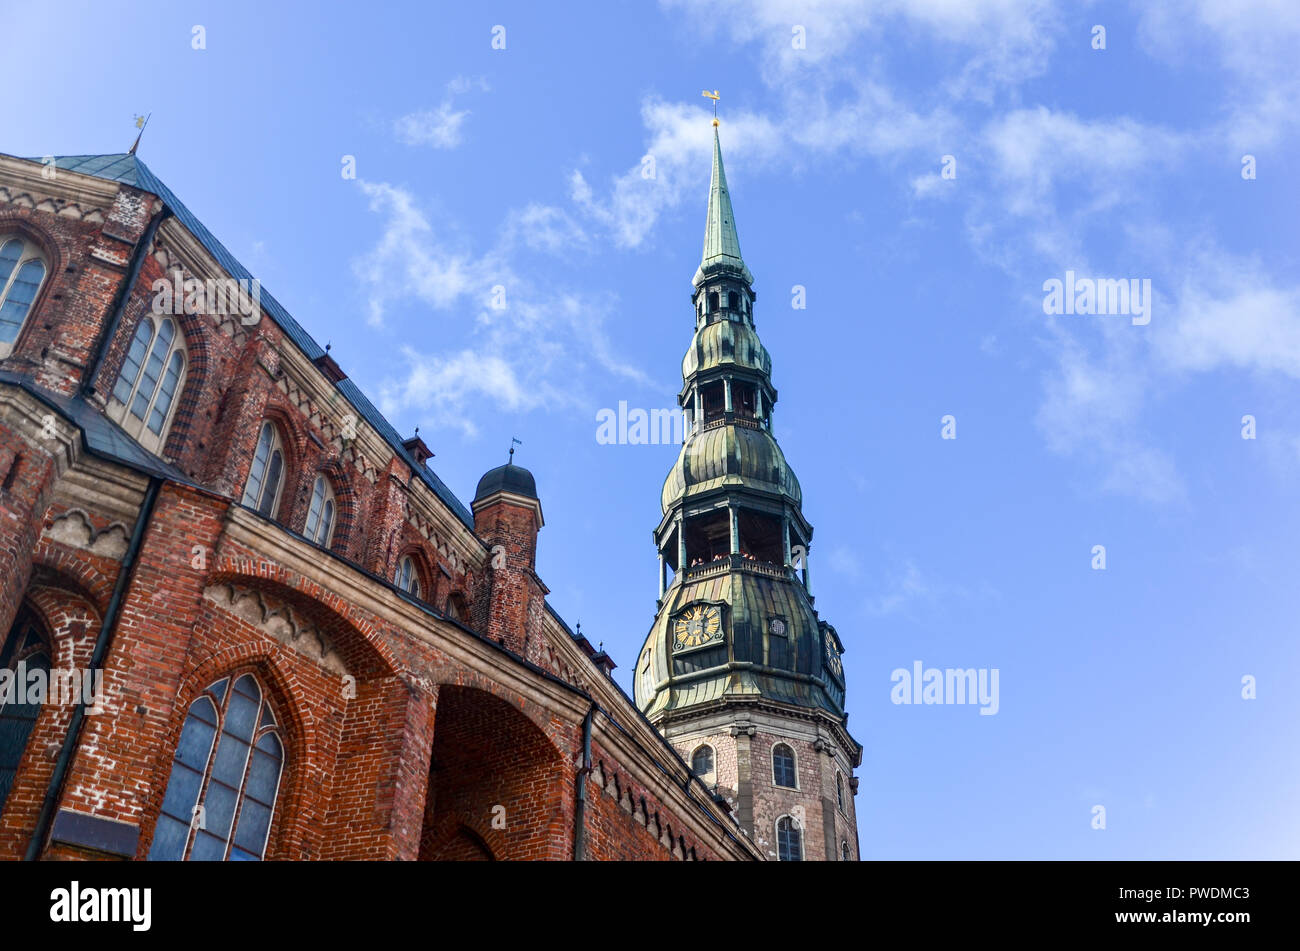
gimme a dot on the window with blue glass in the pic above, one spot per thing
(783, 771)
(152, 375)
(21, 272)
(789, 840)
(225, 778)
(22, 652)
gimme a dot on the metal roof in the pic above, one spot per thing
(131, 170)
(721, 243)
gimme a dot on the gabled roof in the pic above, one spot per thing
(130, 170)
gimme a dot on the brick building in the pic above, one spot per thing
(310, 648)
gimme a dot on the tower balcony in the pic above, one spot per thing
(727, 563)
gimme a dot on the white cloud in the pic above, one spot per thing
(440, 127)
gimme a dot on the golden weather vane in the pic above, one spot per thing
(715, 97)
(140, 123)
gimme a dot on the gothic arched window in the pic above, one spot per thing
(25, 646)
(407, 578)
(262, 491)
(22, 269)
(150, 379)
(225, 778)
(320, 514)
(783, 766)
(844, 851)
(789, 840)
(702, 760)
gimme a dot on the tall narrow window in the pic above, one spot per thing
(225, 778)
(24, 646)
(152, 373)
(783, 772)
(839, 790)
(789, 840)
(702, 760)
(21, 272)
(262, 491)
(844, 851)
(406, 577)
(320, 514)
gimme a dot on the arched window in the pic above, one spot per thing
(406, 578)
(320, 514)
(844, 851)
(713, 301)
(149, 381)
(25, 646)
(262, 491)
(733, 300)
(789, 840)
(783, 771)
(225, 777)
(702, 760)
(22, 270)
(839, 789)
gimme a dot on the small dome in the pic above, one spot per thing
(507, 478)
(730, 456)
(726, 342)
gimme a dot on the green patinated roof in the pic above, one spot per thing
(721, 243)
(726, 341)
(730, 456)
(767, 660)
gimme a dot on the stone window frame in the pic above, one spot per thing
(329, 503)
(713, 760)
(797, 827)
(794, 755)
(258, 503)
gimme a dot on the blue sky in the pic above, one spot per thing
(522, 167)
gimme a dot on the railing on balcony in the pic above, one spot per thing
(727, 563)
(736, 418)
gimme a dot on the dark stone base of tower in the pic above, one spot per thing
(241, 617)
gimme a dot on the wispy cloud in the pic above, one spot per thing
(442, 126)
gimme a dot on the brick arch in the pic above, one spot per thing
(364, 650)
(299, 732)
(71, 621)
(346, 503)
(294, 443)
(495, 776)
(55, 567)
(55, 262)
(410, 544)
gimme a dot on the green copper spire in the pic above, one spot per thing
(721, 244)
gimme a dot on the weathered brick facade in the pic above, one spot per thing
(466, 722)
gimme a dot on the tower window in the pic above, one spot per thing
(783, 766)
(21, 272)
(407, 579)
(152, 373)
(320, 514)
(789, 840)
(225, 778)
(713, 302)
(702, 760)
(844, 851)
(839, 790)
(732, 300)
(262, 491)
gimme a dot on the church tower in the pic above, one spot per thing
(738, 671)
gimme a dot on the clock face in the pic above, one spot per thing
(697, 625)
(833, 658)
